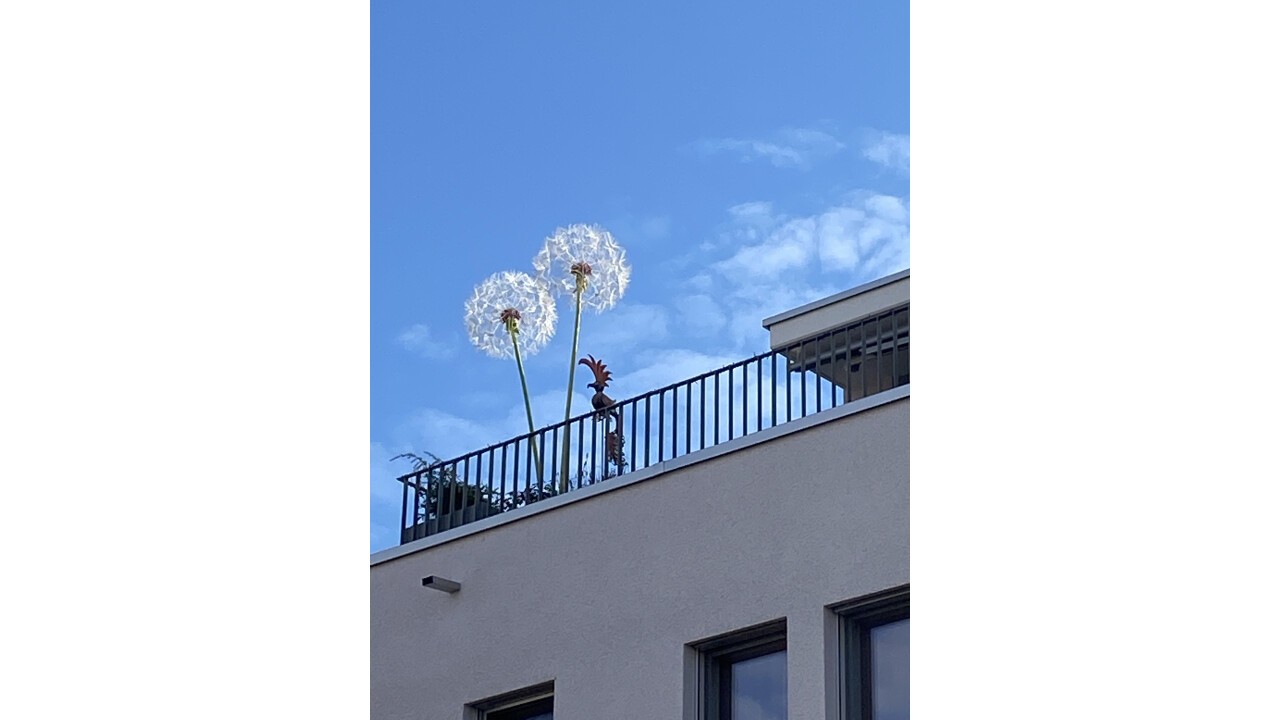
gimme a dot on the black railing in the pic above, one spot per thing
(818, 373)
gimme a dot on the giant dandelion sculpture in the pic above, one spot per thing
(587, 264)
(508, 311)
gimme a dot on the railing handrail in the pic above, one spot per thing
(577, 418)
(542, 432)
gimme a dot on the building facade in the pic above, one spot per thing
(743, 552)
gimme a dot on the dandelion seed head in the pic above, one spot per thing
(588, 251)
(510, 296)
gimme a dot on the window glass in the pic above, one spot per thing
(743, 674)
(758, 688)
(876, 656)
(891, 671)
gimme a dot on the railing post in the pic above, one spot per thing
(730, 381)
(662, 417)
(595, 430)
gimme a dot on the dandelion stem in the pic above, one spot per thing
(528, 408)
(573, 364)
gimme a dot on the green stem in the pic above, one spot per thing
(568, 402)
(528, 407)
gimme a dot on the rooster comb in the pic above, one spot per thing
(603, 376)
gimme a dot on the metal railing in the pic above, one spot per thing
(818, 373)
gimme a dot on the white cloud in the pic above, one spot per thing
(751, 303)
(779, 263)
(487, 399)
(872, 239)
(888, 207)
(664, 367)
(750, 212)
(809, 138)
(700, 282)
(449, 435)
(747, 150)
(787, 247)
(890, 150)
(418, 339)
(548, 407)
(790, 148)
(834, 227)
(625, 326)
(866, 235)
(700, 314)
(753, 217)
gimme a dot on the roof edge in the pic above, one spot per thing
(832, 299)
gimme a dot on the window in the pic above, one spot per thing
(534, 703)
(744, 674)
(537, 710)
(876, 656)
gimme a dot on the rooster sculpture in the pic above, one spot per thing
(600, 402)
(604, 407)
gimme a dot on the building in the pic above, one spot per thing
(739, 551)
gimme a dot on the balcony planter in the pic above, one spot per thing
(464, 504)
(448, 519)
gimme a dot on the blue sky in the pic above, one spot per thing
(750, 157)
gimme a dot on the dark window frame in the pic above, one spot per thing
(717, 656)
(526, 702)
(857, 619)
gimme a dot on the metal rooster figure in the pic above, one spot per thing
(603, 405)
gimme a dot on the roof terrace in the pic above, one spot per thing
(823, 355)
